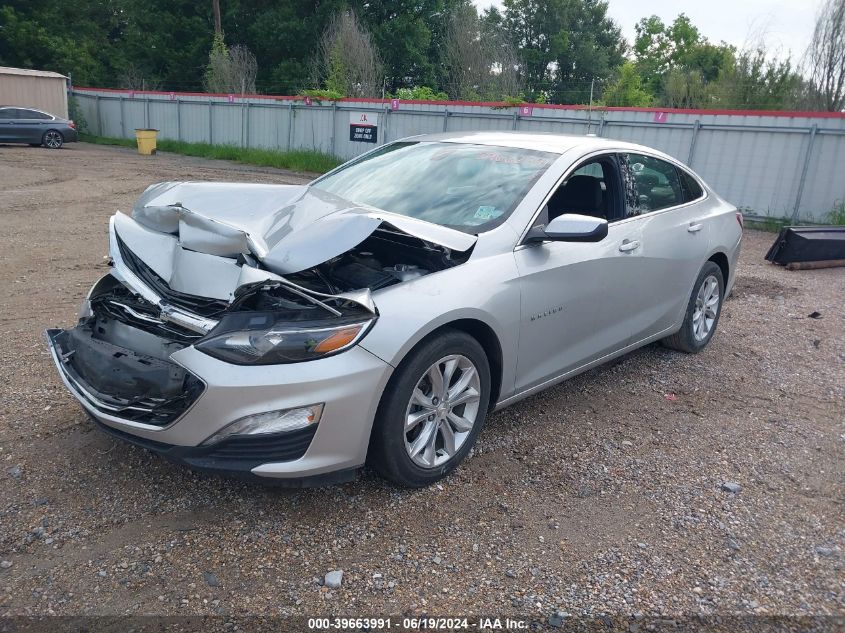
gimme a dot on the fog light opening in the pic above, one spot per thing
(270, 422)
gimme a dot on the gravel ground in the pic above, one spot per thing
(610, 494)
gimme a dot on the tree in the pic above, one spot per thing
(405, 32)
(231, 71)
(348, 62)
(684, 89)
(758, 81)
(627, 90)
(564, 45)
(826, 56)
(479, 60)
(676, 62)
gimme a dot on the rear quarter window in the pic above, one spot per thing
(691, 189)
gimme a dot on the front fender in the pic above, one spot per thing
(486, 290)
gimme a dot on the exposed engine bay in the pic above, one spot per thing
(385, 258)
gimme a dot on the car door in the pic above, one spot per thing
(662, 208)
(8, 119)
(573, 293)
(31, 125)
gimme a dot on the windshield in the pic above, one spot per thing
(472, 188)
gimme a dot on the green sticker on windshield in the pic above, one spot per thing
(487, 213)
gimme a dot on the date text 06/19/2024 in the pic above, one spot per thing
(416, 624)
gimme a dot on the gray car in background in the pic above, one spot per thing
(26, 125)
(378, 314)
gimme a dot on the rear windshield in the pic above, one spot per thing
(468, 187)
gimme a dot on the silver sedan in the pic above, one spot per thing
(377, 315)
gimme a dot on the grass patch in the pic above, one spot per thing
(773, 225)
(837, 213)
(297, 160)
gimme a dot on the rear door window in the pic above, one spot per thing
(651, 184)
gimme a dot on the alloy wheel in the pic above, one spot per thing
(706, 308)
(53, 139)
(442, 411)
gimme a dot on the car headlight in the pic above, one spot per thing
(256, 339)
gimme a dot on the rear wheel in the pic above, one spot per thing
(703, 311)
(52, 139)
(432, 411)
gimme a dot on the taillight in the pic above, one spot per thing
(740, 220)
(71, 124)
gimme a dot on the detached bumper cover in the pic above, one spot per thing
(808, 244)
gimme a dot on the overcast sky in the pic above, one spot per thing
(785, 25)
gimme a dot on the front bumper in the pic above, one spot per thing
(350, 385)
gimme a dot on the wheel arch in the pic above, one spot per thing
(721, 260)
(478, 329)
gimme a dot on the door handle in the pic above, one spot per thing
(629, 245)
(695, 227)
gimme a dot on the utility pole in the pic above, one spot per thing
(590, 108)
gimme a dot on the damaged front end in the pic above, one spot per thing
(238, 294)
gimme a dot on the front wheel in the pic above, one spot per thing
(432, 411)
(52, 139)
(703, 311)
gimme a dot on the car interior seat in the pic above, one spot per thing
(580, 194)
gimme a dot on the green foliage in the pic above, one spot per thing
(837, 214)
(420, 93)
(406, 34)
(683, 70)
(564, 45)
(215, 79)
(321, 94)
(768, 223)
(336, 80)
(297, 160)
(627, 90)
(75, 115)
(756, 82)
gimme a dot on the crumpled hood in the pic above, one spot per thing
(289, 228)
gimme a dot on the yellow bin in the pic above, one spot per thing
(146, 141)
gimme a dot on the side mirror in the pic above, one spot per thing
(570, 227)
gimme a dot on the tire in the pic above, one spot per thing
(698, 329)
(52, 139)
(405, 456)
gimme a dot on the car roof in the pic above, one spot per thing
(543, 142)
(20, 107)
